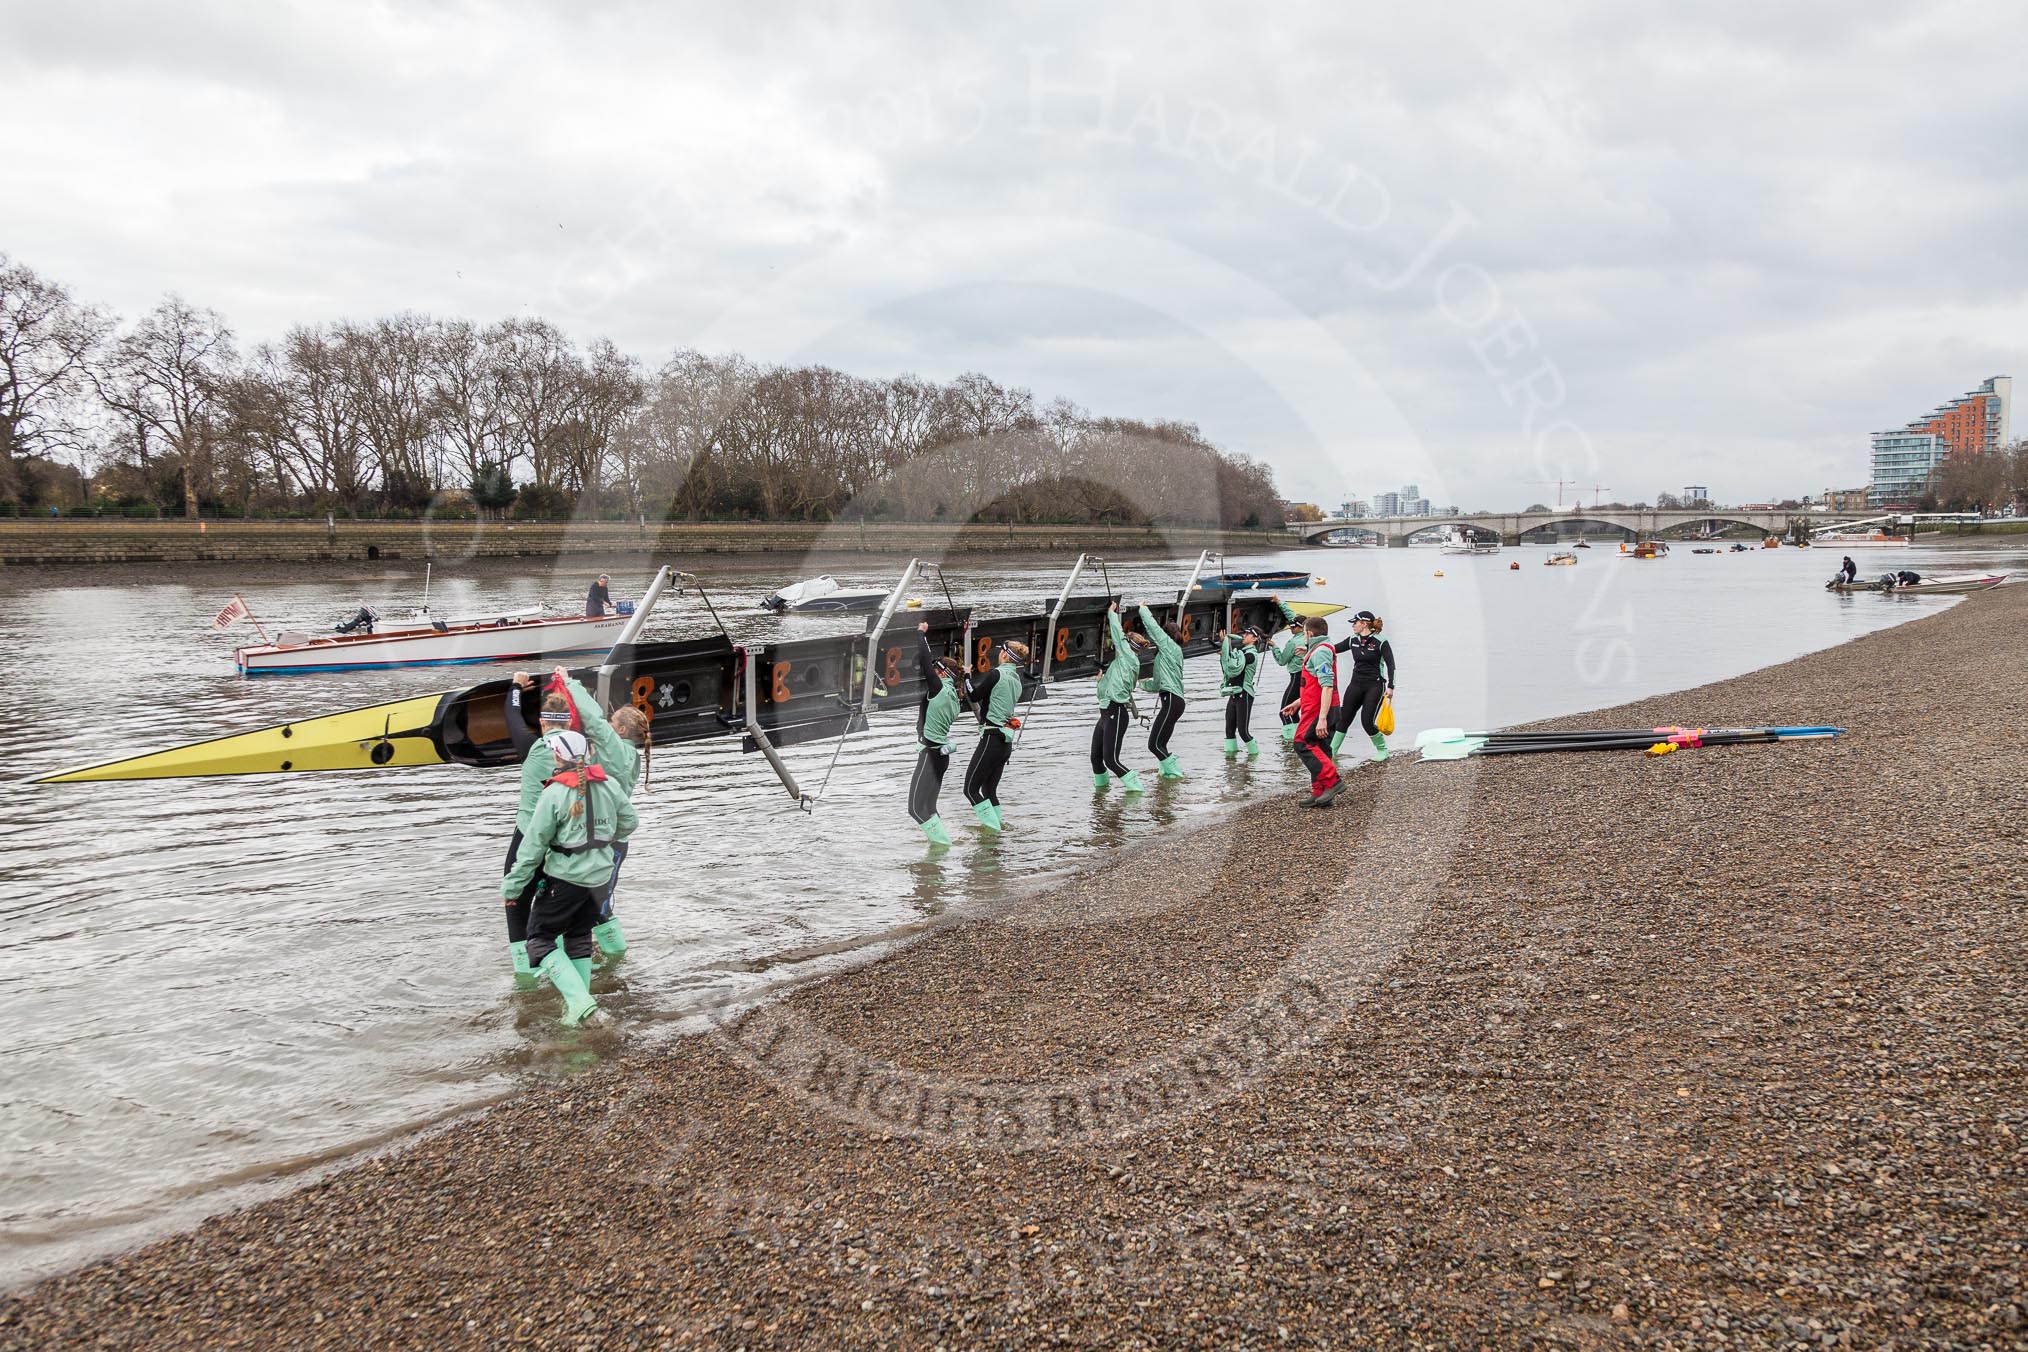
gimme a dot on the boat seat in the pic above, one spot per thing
(288, 636)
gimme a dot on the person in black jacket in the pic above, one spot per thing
(1366, 687)
(598, 598)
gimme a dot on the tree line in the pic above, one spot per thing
(411, 413)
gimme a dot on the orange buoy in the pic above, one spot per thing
(1514, 567)
(1439, 572)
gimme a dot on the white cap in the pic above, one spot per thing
(566, 745)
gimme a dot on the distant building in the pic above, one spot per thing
(1846, 499)
(1696, 493)
(1387, 504)
(1352, 509)
(1905, 458)
(1415, 507)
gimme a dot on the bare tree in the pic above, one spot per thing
(391, 366)
(166, 375)
(47, 345)
(465, 373)
(537, 381)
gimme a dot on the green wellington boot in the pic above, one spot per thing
(1380, 746)
(1232, 746)
(1131, 782)
(1252, 748)
(1288, 732)
(1100, 779)
(1170, 769)
(610, 938)
(518, 952)
(1337, 740)
(563, 975)
(933, 830)
(988, 815)
(584, 970)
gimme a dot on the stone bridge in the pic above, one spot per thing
(1509, 527)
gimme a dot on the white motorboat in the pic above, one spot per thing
(423, 642)
(1871, 540)
(1458, 541)
(823, 593)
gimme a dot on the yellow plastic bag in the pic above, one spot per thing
(1384, 720)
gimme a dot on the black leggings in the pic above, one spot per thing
(1290, 695)
(927, 782)
(1363, 699)
(517, 909)
(989, 762)
(613, 883)
(1108, 739)
(1239, 717)
(563, 911)
(1167, 715)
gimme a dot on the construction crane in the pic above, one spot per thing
(1596, 489)
(1560, 485)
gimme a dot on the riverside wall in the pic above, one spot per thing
(63, 542)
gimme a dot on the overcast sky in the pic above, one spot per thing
(1481, 246)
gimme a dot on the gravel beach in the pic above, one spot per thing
(1725, 1048)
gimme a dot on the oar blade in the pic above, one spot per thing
(1431, 735)
(1456, 748)
(379, 736)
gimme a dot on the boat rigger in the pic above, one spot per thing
(772, 694)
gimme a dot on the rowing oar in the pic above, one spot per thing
(1461, 745)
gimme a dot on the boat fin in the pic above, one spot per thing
(1314, 610)
(376, 737)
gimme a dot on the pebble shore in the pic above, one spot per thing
(1727, 1048)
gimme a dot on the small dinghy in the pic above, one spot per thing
(822, 593)
(1561, 561)
(1275, 580)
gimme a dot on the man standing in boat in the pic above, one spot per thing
(1849, 570)
(598, 598)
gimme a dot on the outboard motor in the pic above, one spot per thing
(362, 623)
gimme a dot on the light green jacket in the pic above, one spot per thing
(1005, 699)
(620, 757)
(1116, 682)
(1240, 665)
(552, 825)
(1168, 677)
(941, 712)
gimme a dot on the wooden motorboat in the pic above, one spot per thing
(1561, 560)
(1457, 541)
(432, 643)
(1646, 549)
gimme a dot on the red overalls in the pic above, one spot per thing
(1314, 721)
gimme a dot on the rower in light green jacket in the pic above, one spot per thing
(1115, 699)
(1289, 656)
(617, 744)
(1239, 666)
(996, 739)
(1167, 683)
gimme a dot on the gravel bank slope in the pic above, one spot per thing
(1722, 1048)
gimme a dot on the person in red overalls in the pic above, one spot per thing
(1313, 709)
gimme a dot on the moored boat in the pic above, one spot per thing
(1646, 549)
(1459, 541)
(432, 643)
(1561, 560)
(821, 594)
(1871, 540)
(1272, 580)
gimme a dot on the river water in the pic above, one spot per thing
(211, 986)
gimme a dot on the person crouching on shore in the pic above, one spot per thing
(577, 821)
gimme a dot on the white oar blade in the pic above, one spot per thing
(1428, 735)
(1456, 749)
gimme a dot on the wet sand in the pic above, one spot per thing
(1722, 1048)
